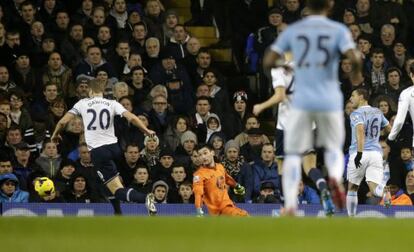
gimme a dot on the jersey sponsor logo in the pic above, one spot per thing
(196, 179)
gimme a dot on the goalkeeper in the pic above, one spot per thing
(210, 185)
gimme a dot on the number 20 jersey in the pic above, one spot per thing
(98, 120)
(373, 121)
(316, 44)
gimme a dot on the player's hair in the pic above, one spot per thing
(318, 5)
(97, 86)
(204, 145)
(363, 92)
(186, 183)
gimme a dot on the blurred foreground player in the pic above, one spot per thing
(316, 44)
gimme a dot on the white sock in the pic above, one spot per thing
(290, 180)
(334, 161)
(351, 203)
(379, 191)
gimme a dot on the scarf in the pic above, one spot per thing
(233, 169)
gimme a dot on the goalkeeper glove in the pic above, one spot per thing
(239, 190)
(199, 212)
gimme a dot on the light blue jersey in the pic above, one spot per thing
(316, 44)
(373, 121)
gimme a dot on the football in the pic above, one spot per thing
(44, 186)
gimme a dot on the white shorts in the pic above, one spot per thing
(299, 136)
(371, 168)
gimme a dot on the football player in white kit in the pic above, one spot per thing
(283, 85)
(316, 44)
(405, 104)
(98, 116)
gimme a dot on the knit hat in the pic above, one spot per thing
(166, 152)
(147, 138)
(67, 162)
(188, 135)
(231, 144)
(240, 95)
(160, 183)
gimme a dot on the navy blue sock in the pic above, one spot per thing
(116, 204)
(316, 176)
(129, 195)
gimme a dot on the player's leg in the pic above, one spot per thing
(309, 167)
(354, 177)
(374, 177)
(279, 152)
(330, 128)
(234, 211)
(298, 139)
(102, 158)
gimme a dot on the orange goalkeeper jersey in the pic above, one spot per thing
(210, 186)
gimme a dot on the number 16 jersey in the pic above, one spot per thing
(98, 120)
(373, 121)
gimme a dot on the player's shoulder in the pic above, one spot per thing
(408, 92)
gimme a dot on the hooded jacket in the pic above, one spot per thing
(18, 196)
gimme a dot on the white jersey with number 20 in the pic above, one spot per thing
(98, 119)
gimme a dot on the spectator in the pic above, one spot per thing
(154, 17)
(162, 171)
(62, 179)
(5, 165)
(268, 194)
(120, 89)
(6, 84)
(377, 69)
(134, 17)
(171, 20)
(60, 74)
(307, 195)
(386, 105)
(88, 67)
(179, 97)
(237, 115)
(178, 43)
(24, 74)
(23, 165)
(265, 169)
(10, 191)
(251, 122)
(365, 17)
(139, 36)
(119, 12)
(175, 129)
(217, 140)
(159, 115)
(394, 87)
(57, 110)
(49, 160)
(139, 85)
(18, 112)
(152, 52)
(238, 169)
(178, 175)
(399, 54)
(185, 150)
(387, 37)
(219, 96)
(70, 47)
(409, 185)
(79, 190)
(105, 40)
(160, 191)
(398, 197)
(185, 192)
(129, 163)
(142, 182)
(213, 125)
(150, 155)
(267, 34)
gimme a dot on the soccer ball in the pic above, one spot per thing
(44, 186)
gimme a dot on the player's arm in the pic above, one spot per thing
(355, 58)
(237, 188)
(278, 96)
(400, 118)
(61, 125)
(198, 189)
(137, 123)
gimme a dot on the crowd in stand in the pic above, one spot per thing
(151, 64)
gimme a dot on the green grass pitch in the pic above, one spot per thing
(130, 234)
